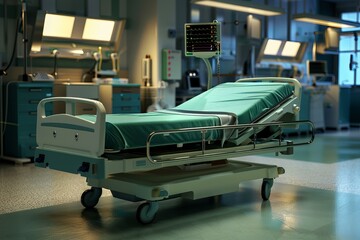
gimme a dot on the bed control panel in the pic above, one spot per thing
(202, 39)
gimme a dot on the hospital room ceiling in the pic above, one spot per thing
(341, 5)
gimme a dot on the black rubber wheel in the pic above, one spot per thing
(143, 214)
(91, 197)
(266, 188)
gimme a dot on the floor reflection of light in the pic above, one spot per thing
(288, 217)
(347, 201)
(289, 222)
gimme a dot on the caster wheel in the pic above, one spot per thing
(90, 197)
(266, 188)
(146, 212)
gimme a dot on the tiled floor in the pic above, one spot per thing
(317, 198)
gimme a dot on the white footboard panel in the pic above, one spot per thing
(68, 132)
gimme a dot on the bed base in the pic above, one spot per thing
(193, 183)
(196, 175)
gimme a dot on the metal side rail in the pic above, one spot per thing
(255, 147)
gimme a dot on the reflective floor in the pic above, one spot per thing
(317, 198)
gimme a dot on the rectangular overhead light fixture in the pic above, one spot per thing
(272, 47)
(273, 50)
(290, 49)
(242, 6)
(96, 29)
(325, 20)
(75, 35)
(58, 25)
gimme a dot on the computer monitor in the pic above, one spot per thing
(194, 84)
(316, 68)
(193, 81)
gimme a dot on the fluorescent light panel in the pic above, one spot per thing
(96, 29)
(325, 21)
(290, 49)
(58, 26)
(272, 47)
(242, 6)
(281, 48)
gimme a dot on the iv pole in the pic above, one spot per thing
(25, 40)
(356, 42)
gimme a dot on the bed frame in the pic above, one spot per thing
(74, 145)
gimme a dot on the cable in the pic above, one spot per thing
(5, 103)
(4, 71)
(1, 120)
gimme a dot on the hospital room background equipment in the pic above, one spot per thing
(183, 152)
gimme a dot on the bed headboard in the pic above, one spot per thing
(67, 132)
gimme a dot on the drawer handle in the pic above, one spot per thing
(32, 134)
(35, 90)
(32, 113)
(126, 99)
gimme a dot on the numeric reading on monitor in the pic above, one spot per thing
(202, 38)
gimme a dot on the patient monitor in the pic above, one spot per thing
(203, 40)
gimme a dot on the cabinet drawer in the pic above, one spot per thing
(20, 151)
(28, 139)
(26, 94)
(29, 117)
(133, 90)
(126, 96)
(20, 133)
(19, 143)
(83, 108)
(25, 150)
(126, 99)
(126, 109)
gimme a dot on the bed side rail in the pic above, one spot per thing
(254, 127)
(67, 132)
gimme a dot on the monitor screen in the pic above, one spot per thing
(202, 39)
(194, 83)
(317, 68)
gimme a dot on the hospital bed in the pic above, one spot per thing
(183, 152)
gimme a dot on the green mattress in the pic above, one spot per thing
(246, 101)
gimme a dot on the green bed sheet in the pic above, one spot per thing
(247, 100)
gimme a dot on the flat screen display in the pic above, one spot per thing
(202, 38)
(194, 83)
(317, 68)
